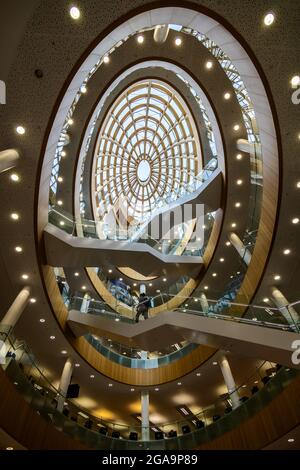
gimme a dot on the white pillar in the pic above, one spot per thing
(204, 303)
(12, 316)
(240, 247)
(85, 303)
(8, 159)
(229, 381)
(161, 33)
(145, 415)
(65, 381)
(281, 302)
(142, 289)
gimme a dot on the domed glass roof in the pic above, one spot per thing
(147, 149)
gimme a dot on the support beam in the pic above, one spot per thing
(282, 303)
(145, 415)
(8, 159)
(65, 381)
(229, 381)
(240, 247)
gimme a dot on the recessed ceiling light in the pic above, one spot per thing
(70, 121)
(179, 383)
(64, 352)
(254, 319)
(205, 287)
(106, 59)
(76, 274)
(239, 156)
(215, 363)
(25, 276)
(277, 277)
(233, 225)
(42, 320)
(237, 204)
(14, 216)
(117, 319)
(20, 130)
(164, 279)
(110, 271)
(227, 96)
(208, 64)
(295, 220)
(32, 300)
(120, 279)
(92, 376)
(77, 365)
(110, 385)
(140, 39)
(178, 41)
(222, 260)
(60, 179)
(156, 389)
(75, 13)
(83, 88)
(236, 127)
(61, 223)
(286, 252)
(295, 82)
(186, 305)
(269, 19)
(52, 337)
(59, 202)
(291, 439)
(239, 182)
(14, 177)
(150, 285)
(238, 272)
(198, 374)
(195, 300)
(227, 243)
(134, 284)
(63, 153)
(158, 291)
(132, 389)
(18, 249)
(214, 274)
(266, 299)
(9, 448)
(83, 287)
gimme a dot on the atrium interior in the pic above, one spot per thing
(150, 214)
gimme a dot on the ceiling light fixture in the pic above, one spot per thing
(178, 42)
(60, 179)
(110, 385)
(214, 274)
(64, 352)
(269, 19)
(106, 59)
(59, 202)
(237, 204)
(132, 389)
(227, 96)
(287, 251)
(63, 153)
(14, 177)
(295, 220)
(52, 337)
(25, 277)
(239, 182)
(14, 216)
(209, 65)
(179, 383)
(140, 39)
(215, 363)
(83, 89)
(77, 365)
(156, 389)
(295, 81)
(277, 277)
(42, 320)
(92, 376)
(76, 274)
(239, 156)
(205, 287)
(18, 249)
(233, 225)
(222, 260)
(266, 299)
(236, 127)
(32, 300)
(20, 130)
(83, 287)
(291, 439)
(75, 13)
(61, 223)
(227, 243)
(70, 122)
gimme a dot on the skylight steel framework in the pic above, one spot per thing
(148, 148)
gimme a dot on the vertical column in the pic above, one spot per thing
(65, 381)
(142, 289)
(85, 303)
(240, 247)
(229, 381)
(204, 303)
(8, 159)
(145, 415)
(281, 302)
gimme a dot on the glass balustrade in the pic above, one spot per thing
(260, 387)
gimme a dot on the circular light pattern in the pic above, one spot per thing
(295, 81)
(295, 220)
(140, 39)
(209, 65)
(75, 13)
(20, 130)
(286, 252)
(269, 19)
(106, 59)
(147, 150)
(14, 177)
(18, 249)
(14, 216)
(178, 41)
